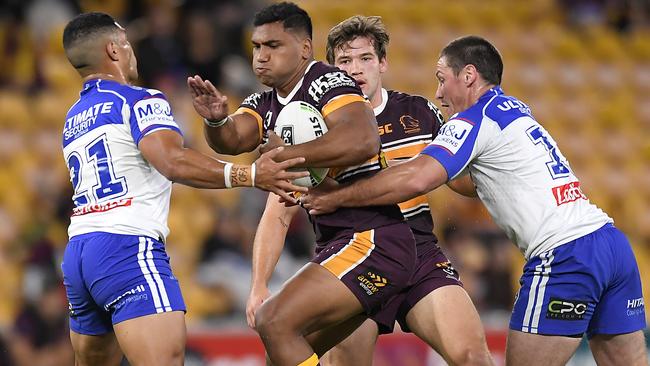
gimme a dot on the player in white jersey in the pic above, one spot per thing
(124, 150)
(581, 275)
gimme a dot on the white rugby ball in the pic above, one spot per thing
(297, 123)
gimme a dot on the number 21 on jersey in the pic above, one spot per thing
(106, 185)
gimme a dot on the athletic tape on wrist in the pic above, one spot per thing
(253, 175)
(226, 175)
(215, 124)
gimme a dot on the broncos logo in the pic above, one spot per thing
(410, 124)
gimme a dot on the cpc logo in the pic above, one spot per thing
(566, 309)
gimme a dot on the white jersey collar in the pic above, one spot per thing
(384, 100)
(287, 99)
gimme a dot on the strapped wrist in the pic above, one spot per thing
(253, 175)
(215, 123)
(227, 169)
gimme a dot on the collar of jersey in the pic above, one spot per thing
(295, 89)
(492, 92)
(384, 100)
(92, 83)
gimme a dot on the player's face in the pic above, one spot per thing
(359, 59)
(452, 93)
(277, 53)
(128, 62)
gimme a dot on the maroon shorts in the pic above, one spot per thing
(375, 265)
(433, 270)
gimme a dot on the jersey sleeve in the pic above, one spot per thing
(333, 90)
(151, 112)
(455, 145)
(252, 105)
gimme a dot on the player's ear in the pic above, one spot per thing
(469, 74)
(383, 64)
(307, 48)
(111, 50)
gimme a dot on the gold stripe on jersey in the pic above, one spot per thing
(404, 151)
(351, 255)
(254, 114)
(413, 203)
(340, 101)
(311, 361)
(377, 162)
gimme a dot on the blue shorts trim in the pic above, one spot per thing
(110, 278)
(591, 284)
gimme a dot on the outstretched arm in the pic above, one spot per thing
(267, 248)
(165, 151)
(392, 185)
(226, 134)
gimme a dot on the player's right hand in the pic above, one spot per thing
(274, 177)
(255, 300)
(207, 100)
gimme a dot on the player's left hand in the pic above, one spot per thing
(319, 202)
(273, 142)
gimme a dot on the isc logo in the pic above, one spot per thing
(287, 134)
(387, 128)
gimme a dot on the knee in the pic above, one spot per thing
(270, 321)
(471, 354)
(171, 356)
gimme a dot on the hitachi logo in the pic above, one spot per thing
(634, 303)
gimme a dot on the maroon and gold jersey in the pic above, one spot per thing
(407, 124)
(327, 88)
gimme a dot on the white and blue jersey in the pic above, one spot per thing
(115, 267)
(115, 189)
(520, 174)
(581, 274)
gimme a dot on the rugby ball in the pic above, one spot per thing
(297, 123)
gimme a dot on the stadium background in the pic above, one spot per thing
(583, 66)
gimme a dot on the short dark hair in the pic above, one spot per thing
(87, 25)
(358, 26)
(290, 14)
(474, 50)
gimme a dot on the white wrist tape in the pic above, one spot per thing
(217, 123)
(226, 175)
(253, 175)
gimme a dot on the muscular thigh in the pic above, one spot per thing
(156, 339)
(312, 299)
(355, 350)
(620, 349)
(96, 350)
(433, 271)
(526, 349)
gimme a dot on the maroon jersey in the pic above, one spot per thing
(327, 88)
(407, 124)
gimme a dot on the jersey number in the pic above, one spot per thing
(108, 185)
(556, 167)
